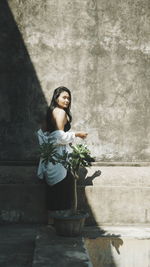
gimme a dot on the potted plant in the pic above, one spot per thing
(69, 223)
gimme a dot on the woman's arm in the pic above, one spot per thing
(64, 138)
(82, 135)
(60, 118)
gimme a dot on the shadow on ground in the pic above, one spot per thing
(17, 244)
(98, 241)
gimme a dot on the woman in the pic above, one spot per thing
(58, 123)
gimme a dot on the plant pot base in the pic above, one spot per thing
(70, 225)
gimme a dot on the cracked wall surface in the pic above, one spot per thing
(100, 50)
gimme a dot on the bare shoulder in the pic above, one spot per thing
(59, 112)
(59, 116)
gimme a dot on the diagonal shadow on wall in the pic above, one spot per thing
(21, 98)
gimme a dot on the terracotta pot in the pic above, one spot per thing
(70, 225)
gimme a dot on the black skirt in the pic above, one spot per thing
(60, 195)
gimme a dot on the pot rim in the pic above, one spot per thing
(79, 215)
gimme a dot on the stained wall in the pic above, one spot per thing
(100, 50)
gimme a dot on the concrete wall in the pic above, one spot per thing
(113, 195)
(22, 203)
(117, 195)
(100, 50)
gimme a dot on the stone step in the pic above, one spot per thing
(111, 194)
(116, 176)
(17, 243)
(105, 204)
(52, 250)
(22, 203)
(124, 246)
(115, 205)
(116, 194)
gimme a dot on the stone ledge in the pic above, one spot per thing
(53, 250)
(22, 204)
(113, 246)
(118, 246)
(96, 163)
(105, 204)
(19, 175)
(115, 205)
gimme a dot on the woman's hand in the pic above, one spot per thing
(82, 135)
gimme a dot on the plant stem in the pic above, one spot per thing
(75, 196)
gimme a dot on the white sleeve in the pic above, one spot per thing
(64, 138)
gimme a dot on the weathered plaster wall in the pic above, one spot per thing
(100, 50)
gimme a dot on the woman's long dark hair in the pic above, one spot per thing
(53, 104)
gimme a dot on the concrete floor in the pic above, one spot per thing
(108, 246)
(17, 243)
(122, 246)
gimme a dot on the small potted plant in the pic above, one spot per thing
(69, 223)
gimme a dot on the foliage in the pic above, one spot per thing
(79, 157)
(48, 152)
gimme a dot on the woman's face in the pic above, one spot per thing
(63, 100)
